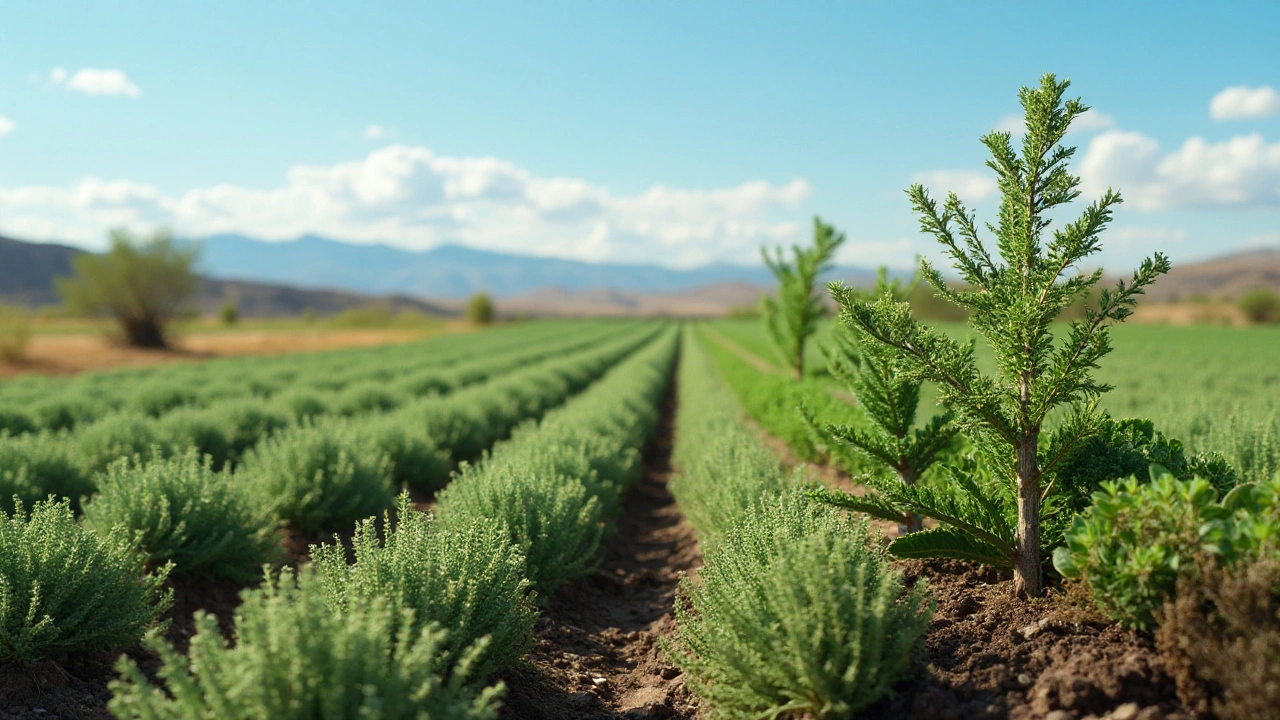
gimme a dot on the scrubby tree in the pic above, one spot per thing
(142, 282)
(890, 397)
(792, 317)
(229, 314)
(1261, 306)
(480, 309)
(15, 331)
(1012, 298)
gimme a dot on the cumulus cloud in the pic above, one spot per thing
(970, 185)
(6, 125)
(413, 198)
(96, 81)
(376, 132)
(1243, 171)
(1240, 102)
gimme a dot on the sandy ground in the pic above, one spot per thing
(69, 354)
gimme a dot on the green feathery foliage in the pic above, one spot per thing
(1012, 300)
(1137, 539)
(797, 612)
(793, 316)
(889, 397)
(184, 513)
(318, 478)
(416, 461)
(469, 580)
(724, 471)
(113, 437)
(297, 658)
(66, 589)
(33, 467)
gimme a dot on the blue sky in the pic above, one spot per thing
(678, 133)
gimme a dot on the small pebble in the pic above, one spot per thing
(1127, 711)
(599, 681)
(1024, 679)
(1059, 715)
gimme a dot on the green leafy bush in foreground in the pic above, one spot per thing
(797, 612)
(470, 580)
(318, 478)
(1132, 545)
(181, 511)
(297, 658)
(66, 589)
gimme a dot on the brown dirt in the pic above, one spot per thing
(70, 354)
(989, 655)
(598, 653)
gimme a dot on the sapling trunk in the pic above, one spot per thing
(1026, 568)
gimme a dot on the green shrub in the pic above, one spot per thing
(554, 521)
(33, 467)
(1135, 541)
(415, 459)
(159, 397)
(113, 437)
(1261, 306)
(183, 512)
(66, 589)
(470, 580)
(64, 412)
(318, 478)
(365, 397)
(480, 309)
(15, 331)
(296, 658)
(797, 613)
(197, 428)
(247, 422)
(15, 421)
(303, 403)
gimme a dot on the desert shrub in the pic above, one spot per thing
(246, 423)
(303, 403)
(552, 519)
(364, 397)
(116, 436)
(469, 579)
(15, 331)
(480, 309)
(66, 589)
(297, 658)
(1135, 541)
(197, 428)
(156, 398)
(65, 411)
(229, 314)
(184, 513)
(1221, 636)
(1261, 306)
(415, 459)
(16, 421)
(33, 467)
(797, 612)
(318, 478)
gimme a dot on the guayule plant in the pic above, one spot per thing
(1012, 298)
(297, 658)
(797, 613)
(793, 317)
(890, 397)
(184, 513)
(33, 467)
(66, 589)
(469, 579)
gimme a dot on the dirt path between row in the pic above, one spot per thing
(598, 653)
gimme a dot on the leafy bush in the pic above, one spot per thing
(365, 397)
(480, 309)
(184, 513)
(792, 317)
(415, 459)
(64, 412)
(470, 580)
(1221, 637)
(296, 658)
(1261, 306)
(1135, 541)
(66, 589)
(116, 436)
(15, 421)
(318, 478)
(197, 428)
(246, 423)
(33, 467)
(797, 612)
(303, 403)
(15, 331)
(156, 398)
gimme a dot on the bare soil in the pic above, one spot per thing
(70, 354)
(598, 653)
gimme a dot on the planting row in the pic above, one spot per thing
(416, 444)
(344, 382)
(416, 627)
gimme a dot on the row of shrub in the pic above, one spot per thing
(796, 611)
(415, 445)
(370, 382)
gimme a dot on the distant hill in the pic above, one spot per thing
(27, 272)
(453, 271)
(1226, 277)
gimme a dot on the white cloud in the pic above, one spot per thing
(1261, 241)
(6, 125)
(376, 132)
(413, 198)
(970, 185)
(1240, 171)
(1091, 121)
(1241, 101)
(95, 81)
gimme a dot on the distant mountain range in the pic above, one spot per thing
(453, 271)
